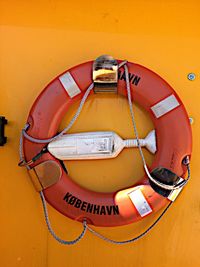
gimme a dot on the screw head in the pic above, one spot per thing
(191, 76)
(191, 120)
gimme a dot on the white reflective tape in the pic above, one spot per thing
(69, 84)
(140, 202)
(164, 106)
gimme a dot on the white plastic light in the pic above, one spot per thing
(96, 145)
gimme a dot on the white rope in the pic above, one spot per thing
(62, 241)
(164, 186)
(146, 170)
(132, 239)
(44, 141)
(21, 153)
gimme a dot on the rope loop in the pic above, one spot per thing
(62, 241)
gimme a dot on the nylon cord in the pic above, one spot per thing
(21, 153)
(44, 141)
(62, 241)
(134, 238)
(87, 92)
(164, 186)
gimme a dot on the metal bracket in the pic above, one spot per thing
(105, 74)
(45, 174)
(3, 138)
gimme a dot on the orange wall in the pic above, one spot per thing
(39, 40)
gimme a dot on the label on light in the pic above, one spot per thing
(94, 146)
(140, 202)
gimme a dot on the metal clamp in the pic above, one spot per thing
(45, 174)
(105, 74)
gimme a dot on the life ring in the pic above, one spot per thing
(174, 143)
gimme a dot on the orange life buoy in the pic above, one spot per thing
(174, 143)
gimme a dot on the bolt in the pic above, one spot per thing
(191, 76)
(191, 120)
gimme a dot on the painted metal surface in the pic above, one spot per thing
(41, 39)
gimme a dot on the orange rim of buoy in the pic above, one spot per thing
(174, 144)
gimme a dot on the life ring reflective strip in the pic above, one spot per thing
(174, 142)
